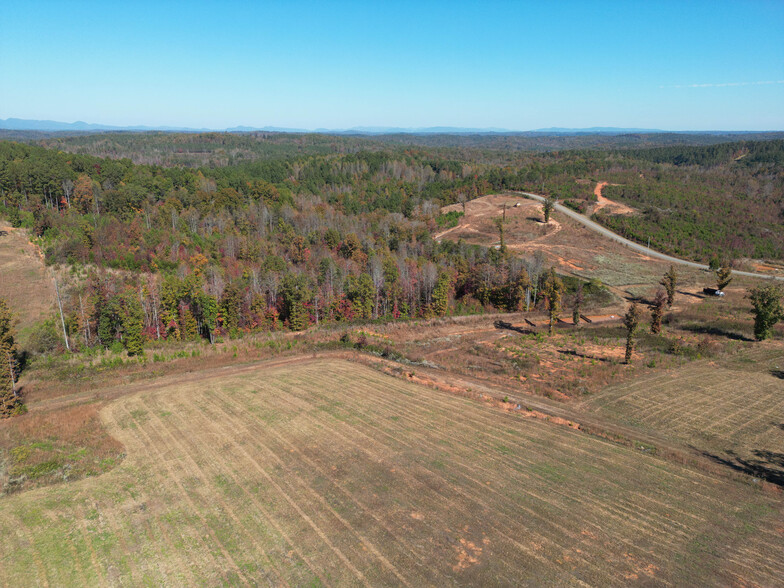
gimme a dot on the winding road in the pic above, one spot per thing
(596, 227)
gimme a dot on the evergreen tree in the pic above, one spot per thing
(670, 282)
(132, 323)
(9, 399)
(553, 292)
(657, 311)
(631, 321)
(295, 294)
(499, 223)
(441, 292)
(548, 207)
(361, 293)
(723, 277)
(766, 308)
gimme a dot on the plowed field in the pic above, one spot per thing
(734, 412)
(326, 472)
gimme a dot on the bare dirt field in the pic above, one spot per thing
(565, 243)
(329, 473)
(603, 202)
(23, 279)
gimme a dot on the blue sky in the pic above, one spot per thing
(685, 65)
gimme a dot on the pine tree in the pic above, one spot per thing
(723, 277)
(553, 292)
(766, 308)
(131, 320)
(440, 304)
(670, 282)
(549, 206)
(631, 321)
(657, 311)
(9, 399)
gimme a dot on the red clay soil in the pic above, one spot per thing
(602, 202)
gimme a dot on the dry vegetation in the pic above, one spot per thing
(565, 243)
(733, 411)
(330, 473)
(319, 471)
(23, 280)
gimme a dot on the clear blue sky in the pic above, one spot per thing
(517, 65)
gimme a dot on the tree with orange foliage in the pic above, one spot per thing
(83, 193)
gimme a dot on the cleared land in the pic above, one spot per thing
(326, 472)
(733, 412)
(23, 280)
(565, 243)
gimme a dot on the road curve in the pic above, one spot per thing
(596, 227)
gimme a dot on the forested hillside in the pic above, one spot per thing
(184, 253)
(247, 232)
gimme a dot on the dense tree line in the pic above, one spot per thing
(337, 233)
(187, 254)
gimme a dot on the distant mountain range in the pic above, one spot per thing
(18, 124)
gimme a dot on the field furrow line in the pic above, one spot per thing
(754, 567)
(172, 475)
(483, 488)
(268, 517)
(495, 416)
(239, 425)
(548, 443)
(359, 575)
(81, 522)
(194, 447)
(508, 534)
(373, 456)
(227, 401)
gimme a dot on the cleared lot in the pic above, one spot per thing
(326, 472)
(734, 412)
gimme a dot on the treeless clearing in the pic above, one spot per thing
(614, 207)
(733, 411)
(565, 243)
(24, 284)
(327, 472)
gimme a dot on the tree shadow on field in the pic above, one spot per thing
(767, 465)
(510, 327)
(536, 220)
(777, 374)
(718, 331)
(638, 299)
(583, 355)
(692, 294)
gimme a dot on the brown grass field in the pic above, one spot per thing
(733, 411)
(329, 473)
(23, 279)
